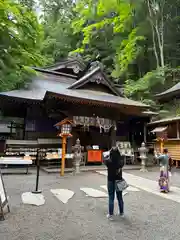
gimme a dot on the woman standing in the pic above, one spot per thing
(164, 173)
(114, 165)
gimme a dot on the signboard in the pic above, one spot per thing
(102, 123)
(4, 128)
(3, 198)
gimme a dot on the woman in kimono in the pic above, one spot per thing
(164, 173)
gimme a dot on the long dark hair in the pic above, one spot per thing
(165, 151)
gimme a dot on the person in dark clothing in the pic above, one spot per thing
(114, 164)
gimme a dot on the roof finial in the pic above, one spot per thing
(96, 64)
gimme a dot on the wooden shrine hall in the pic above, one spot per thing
(69, 89)
(170, 126)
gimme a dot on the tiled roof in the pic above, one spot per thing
(89, 75)
(101, 96)
(164, 121)
(53, 73)
(40, 86)
(175, 88)
(159, 129)
(65, 62)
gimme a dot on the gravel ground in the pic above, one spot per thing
(148, 217)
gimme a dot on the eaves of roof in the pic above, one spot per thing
(173, 90)
(86, 78)
(164, 121)
(40, 89)
(90, 95)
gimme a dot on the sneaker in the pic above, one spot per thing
(121, 215)
(110, 217)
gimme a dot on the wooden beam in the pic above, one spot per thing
(177, 128)
(135, 110)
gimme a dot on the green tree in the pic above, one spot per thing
(20, 38)
(137, 41)
(163, 22)
(59, 37)
(30, 4)
(142, 43)
(110, 22)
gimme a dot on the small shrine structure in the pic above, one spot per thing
(167, 131)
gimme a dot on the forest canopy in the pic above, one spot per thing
(20, 44)
(136, 41)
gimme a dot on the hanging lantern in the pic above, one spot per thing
(65, 127)
(161, 134)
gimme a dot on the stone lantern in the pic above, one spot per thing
(143, 156)
(77, 149)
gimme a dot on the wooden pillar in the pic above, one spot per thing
(24, 124)
(63, 155)
(113, 137)
(177, 165)
(145, 133)
(69, 145)
(70, 139)
(177, 128)
(26, 117)
(161, 146)
(11, 129)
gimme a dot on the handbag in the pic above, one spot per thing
(121, 185)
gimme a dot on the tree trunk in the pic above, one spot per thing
(153, 34)
(158, 29)
(154, 45)
(161, 46)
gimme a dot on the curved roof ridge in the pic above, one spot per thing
(86, 78)
(175, 88)
(66, 61)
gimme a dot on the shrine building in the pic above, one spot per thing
(168, 127)
(70, 89)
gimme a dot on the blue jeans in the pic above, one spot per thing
(111, 193)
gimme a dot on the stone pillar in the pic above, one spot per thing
(143, 156)
(77, 149)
